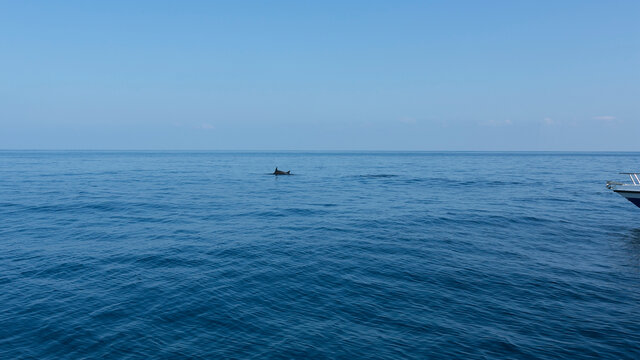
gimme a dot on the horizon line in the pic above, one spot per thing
(315, 150)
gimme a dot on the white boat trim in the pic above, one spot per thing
(631, 191)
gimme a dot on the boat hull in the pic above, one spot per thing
(631, 195)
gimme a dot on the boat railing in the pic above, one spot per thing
(635, 178)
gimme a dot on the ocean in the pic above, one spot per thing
(358, 255)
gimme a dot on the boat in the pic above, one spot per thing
(631, 191)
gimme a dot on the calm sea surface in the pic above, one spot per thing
(140, 255)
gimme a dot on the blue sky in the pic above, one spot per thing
(324, 75)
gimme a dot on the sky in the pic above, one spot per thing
(321, 75)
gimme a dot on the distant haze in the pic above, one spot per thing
(325, 75)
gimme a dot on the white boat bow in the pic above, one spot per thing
(630, 191)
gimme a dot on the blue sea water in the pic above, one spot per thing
(168, 255)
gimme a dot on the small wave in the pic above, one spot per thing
(374, 176)
(487, 183)
(64, 270)
(155, 260)
(285, 212)
(325, 205)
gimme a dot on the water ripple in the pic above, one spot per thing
(361, 255)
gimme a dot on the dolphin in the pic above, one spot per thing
(280, 172)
